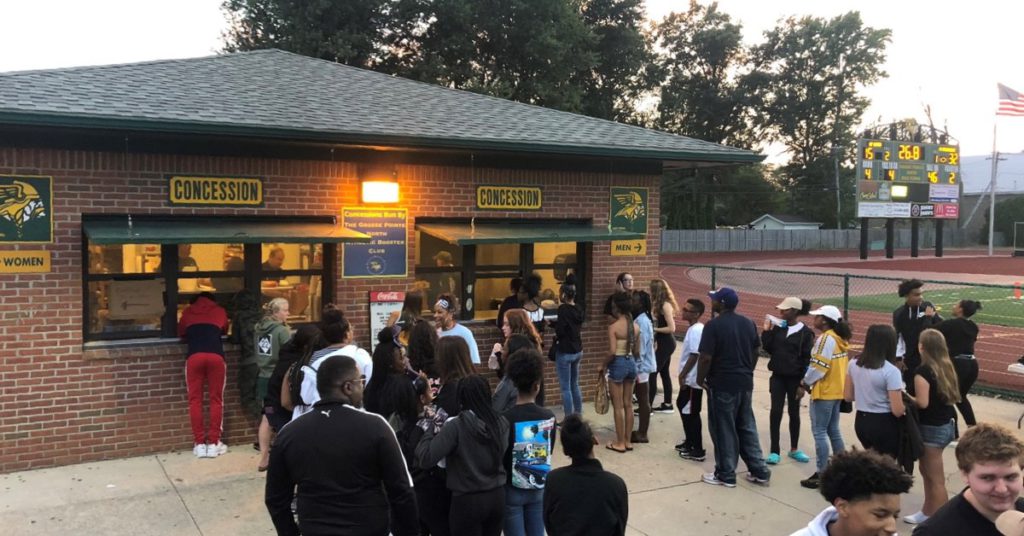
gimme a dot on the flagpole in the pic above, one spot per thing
(992, 191)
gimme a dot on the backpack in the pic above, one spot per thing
(295, 375)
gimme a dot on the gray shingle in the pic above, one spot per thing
(277, 94)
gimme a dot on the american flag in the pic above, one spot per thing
(1010, 102)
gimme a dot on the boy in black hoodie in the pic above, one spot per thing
(788, 341)
(910, 319)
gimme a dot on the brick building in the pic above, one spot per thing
(126, 189)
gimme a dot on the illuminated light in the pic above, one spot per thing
(378, 191)
(899, 191)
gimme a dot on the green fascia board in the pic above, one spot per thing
(464, 234)
(359, 138)
(184, 232)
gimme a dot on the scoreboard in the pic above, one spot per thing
(901, 179)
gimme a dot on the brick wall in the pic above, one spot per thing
(63, 403)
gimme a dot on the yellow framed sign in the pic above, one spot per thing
(510, 198)
(628, 212)
(215, 191)
(24, 262)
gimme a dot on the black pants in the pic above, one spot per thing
(966, 374)
(692, 425)
(434, 502)
(878, 431)
(783, 390)
(662, 356)
(478, 514)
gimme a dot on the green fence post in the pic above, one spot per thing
(846, 296)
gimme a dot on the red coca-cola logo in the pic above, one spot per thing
(384, 296)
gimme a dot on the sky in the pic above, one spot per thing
(944, 54)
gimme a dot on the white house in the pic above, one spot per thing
(786, 222)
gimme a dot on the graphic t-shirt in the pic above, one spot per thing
(531, 437)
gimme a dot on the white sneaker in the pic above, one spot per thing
(214, 450)
(710, 478)
(915, 519)
(199, 450)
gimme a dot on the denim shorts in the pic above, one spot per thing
(621, 369)
(937, 437)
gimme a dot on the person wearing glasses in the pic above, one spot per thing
(623, 283)
(347, 483)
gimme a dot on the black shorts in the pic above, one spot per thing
(277, 416)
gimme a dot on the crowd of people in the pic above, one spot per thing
(430, 448)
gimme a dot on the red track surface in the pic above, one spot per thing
(997, 346)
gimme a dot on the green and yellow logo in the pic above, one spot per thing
(26, 209)
(628, 209)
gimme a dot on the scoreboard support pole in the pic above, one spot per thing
(890, 237)
(938, 237)
(863, 238)
(915, 228)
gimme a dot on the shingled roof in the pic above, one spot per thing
(272, 94)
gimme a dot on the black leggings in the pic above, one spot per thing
(478, 514)
(783, 390)
(666, 344)
(878, 431)
(966, 374)
(434, 503)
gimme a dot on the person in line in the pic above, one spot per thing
(691, 394)
(910, 319)
(392, 376)
(347, 483)
(247, 313)
(788, 345)
(453, 364)
(934, 391)
(339, 335)
(665, 308)
(646, 364)
(274, 409)
(271, 334)
(530, 442)
(422, 351)
(569, 347)
(961, 333)
(876, 385)
(414, 414)
(513, 301)
(583, 499)
(505, 393)
(624, 341)
(623, 283)
(532, 303)
(201, 325)
(412, 309)
(863, 491)
(728, 351)
(473, 445)
(990, 458)
(825, 381)
(445, 311)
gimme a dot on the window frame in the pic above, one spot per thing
(252, 275)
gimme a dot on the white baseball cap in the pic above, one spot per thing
(831, 311)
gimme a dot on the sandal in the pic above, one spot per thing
(620, 451)
(262, 468)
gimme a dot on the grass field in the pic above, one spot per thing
(999, 307)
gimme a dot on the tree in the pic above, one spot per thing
(805, 78)
(1008, 212)
(344, 31)
(624, 67)
(525, 50)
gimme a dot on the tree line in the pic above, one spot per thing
(690, 73)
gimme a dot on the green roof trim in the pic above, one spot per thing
(464, 234)
(123, 231)
(271, 94)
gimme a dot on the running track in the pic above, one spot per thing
(997, 346)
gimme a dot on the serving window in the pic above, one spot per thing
(138, 290)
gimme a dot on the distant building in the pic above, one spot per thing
(786, 222)
(977, 177)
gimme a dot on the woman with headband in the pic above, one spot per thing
(446, 308)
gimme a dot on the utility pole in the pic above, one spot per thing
(836, 149)
(992, 193)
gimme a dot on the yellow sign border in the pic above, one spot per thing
(539, 191)
(200, 203)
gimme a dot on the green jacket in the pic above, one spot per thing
(270, 336)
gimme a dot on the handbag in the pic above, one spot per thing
(601, 395)
(552, 353)
(845, 407)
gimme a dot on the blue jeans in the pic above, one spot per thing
(568, 367)
(734, 434)
(825, 429)
(524, 512)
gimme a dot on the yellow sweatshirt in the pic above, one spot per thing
(828, 367)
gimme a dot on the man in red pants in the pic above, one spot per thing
(201, 326)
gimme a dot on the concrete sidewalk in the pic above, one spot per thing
(177, 494)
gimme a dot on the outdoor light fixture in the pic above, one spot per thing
(378, 184)
(899, 191)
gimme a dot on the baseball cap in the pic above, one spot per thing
(726, 296)
(829, 311)
(790, 303)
